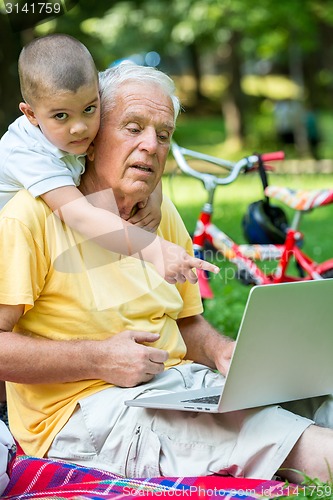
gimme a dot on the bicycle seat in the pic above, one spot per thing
(299, 199)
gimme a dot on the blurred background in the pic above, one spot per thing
(249, 76)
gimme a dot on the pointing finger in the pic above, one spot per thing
(204, 265)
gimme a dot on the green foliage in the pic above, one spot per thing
(189, 131)
(187, 33)
(125, 27)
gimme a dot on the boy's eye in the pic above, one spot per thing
(90, 110)
(61, 116)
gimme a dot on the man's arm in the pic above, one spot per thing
(121, 360)
(204, 344)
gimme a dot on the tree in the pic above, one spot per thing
(10, 45)
(237, 35)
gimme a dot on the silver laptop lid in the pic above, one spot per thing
(284, 348)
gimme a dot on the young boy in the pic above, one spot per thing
(44, 152)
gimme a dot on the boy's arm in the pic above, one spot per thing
(171, 261)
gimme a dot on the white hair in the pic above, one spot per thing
(111, 79)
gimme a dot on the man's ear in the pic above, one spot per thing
(29, 113)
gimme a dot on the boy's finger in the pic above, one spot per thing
(142, 204)
(205, 266)
(192, 277)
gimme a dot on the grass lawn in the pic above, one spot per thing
(207, 134)
(225, 310)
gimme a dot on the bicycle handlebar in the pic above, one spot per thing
(278, 155)
(248, 163)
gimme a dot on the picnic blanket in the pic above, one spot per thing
(34, 478)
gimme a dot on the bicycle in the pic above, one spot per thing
(246, 256)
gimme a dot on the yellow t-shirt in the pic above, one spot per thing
(74, 289)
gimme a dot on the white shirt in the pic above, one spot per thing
(30, 161)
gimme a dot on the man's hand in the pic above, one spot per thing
(121, 360)
(223, 358)
(127, 362)
(205, 345)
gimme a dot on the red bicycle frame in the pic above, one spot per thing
(245, 257)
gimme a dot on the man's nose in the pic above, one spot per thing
(149, 141)
(78, 127)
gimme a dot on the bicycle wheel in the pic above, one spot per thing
(327, 274)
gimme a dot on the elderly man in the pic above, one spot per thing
(83, 330)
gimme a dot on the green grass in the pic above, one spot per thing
(207, 134)
(225, 310)
(309, 489)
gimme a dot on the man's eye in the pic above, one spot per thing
(163, 137)
(61, 116)
(90, 110)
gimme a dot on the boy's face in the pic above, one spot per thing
(69, 120)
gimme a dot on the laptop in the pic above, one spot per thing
(283, 352)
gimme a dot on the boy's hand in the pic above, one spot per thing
(148, 215)
(177, 265)
(171, 261)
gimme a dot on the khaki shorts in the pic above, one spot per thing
(136, 442)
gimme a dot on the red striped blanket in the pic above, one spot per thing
(34, 478)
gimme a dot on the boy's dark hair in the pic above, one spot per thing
(54, 62)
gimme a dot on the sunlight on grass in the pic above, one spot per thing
(272, 86)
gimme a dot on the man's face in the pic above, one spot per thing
(134, 139)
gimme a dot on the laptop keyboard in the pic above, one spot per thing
(209, 399)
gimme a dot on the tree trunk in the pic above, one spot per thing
(233, 99)
(296, 74)
(195, 64)
(10, 46)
